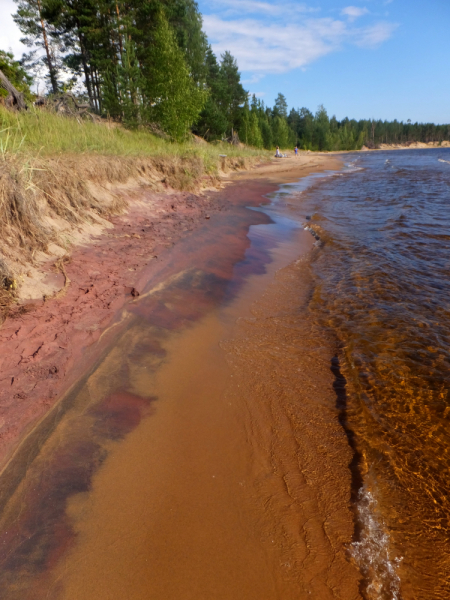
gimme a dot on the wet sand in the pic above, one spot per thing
(44, 351)
(201, 456)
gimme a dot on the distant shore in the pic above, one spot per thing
(408, 146)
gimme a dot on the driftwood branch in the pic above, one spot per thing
(234, 139)
(68, 104)
(15, 98)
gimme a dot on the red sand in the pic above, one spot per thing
(45, 351)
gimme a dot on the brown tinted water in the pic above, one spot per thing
(202, 456)
(382, 288)
(256, 391)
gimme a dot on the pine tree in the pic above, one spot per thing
(266, 132)
(185, 19)
(175, 101)
(232, 94)
(322, 129)
(281, 132)
(91, 32)
(123, 89)
(31, 22)
(281, 106)
(224, 108)
(212, 122)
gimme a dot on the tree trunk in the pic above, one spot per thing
(87, 78)
(15, 97)
(119, 33)
(51, 68)
(98, 90)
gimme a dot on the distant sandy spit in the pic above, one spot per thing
(411, 146)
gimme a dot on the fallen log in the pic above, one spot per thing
(15, 99)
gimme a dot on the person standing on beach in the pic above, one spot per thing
(296, 151)
(277, 153)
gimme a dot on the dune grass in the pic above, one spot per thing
(42, 133)
(57, 167)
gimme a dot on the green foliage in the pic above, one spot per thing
(233, 95)
(251, 130)
(281, 106)
(266, 133)
(130, 82)
(224, 109)
(280, 130)
(319, 132)
(184, 19)
(175, 99)
(37, 35)
(322, 129)
(16, 74)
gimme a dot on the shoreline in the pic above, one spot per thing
(282, 441)
(46, 349)
(389, 147)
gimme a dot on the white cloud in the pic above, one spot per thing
(259, 7)
(353, 12)
(9, 32)
(253, 79)
(261, 46)
(373, 36)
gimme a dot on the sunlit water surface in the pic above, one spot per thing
(382, 286)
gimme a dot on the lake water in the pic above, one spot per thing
(261, 397)
(382, 287)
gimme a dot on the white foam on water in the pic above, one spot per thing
(372, 552)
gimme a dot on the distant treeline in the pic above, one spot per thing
(148, 63)
(265, 127)
(319, 132)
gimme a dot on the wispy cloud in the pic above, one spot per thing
(259, 7)
(253, 79)
(373, 36)
(262, 46)
(353, 12)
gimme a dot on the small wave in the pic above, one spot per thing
(351, 168)
(442, 160)
(372, 553)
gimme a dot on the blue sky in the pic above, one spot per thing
(385, 59)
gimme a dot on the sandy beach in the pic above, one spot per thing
(45, 350)
(190, 452)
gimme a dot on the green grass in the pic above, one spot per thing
(41, 133)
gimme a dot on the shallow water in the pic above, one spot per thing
(258, 389)
(382, 287)
(202, 456)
